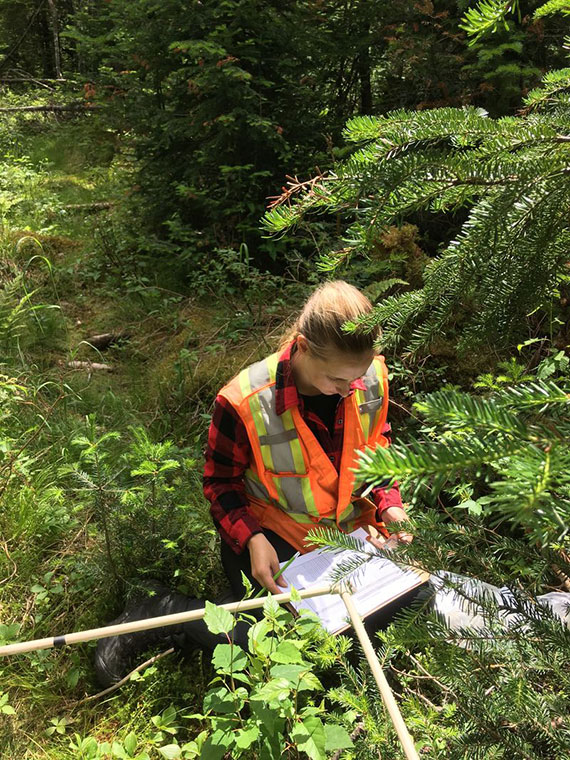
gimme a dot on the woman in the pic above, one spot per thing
(285, 434)
(282, 446)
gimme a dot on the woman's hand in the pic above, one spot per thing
(397, 514)
(390, 515)
(264, 563)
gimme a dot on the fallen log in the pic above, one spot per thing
(106, 340)
(49, 109)
(97, 206)
(31, 79)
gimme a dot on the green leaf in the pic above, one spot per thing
(168, 716)
(269, 720)
(216, 745)
(272, 746)
(8, 631)
(258, 640)
(130, 743)
(292, 673)
(309, 682)
(275, 690)
(8, 710)
(229, 658)
(220, 700)
(117, 750)
(246, 583)
(473, 507)
(190, 749)
(286, 652)
(246, 737)
(336, 737)
(307, 623)
(309, 737)
(242, 678)
(217, 619)
(270, 607)
(170, 751)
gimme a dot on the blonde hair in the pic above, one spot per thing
(321, 319)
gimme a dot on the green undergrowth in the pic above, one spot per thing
(100, 467)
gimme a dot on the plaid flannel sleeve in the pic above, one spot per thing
(227, 458)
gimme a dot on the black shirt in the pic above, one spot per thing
(323, 406)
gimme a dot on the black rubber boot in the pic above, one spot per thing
(114, 655)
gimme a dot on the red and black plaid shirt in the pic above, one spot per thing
(228, 456)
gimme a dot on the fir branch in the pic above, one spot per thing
(434, 462)
(486, 17)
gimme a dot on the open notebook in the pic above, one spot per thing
(376, 583)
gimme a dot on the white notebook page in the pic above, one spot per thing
(376, 583)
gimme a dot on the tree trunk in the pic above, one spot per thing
(364, 74)
(55, 36)
(44, 36)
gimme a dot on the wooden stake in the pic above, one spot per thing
(383, 685)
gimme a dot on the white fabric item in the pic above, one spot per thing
(559, 603)
(459, 612)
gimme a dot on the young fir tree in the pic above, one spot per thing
(490, 690)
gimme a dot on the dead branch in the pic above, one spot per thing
(564, 579)
(294, 185)
(9, 558)
(89, 366)
(124, 680)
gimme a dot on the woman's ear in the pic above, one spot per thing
(302, 344)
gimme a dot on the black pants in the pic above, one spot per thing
(195, 634)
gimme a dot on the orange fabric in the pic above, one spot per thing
(333, 491)
(295, 533)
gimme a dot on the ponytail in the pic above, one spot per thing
(321, 319)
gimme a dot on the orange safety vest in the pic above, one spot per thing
(292, 485)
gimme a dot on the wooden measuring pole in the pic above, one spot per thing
(383, 685)
(155, 622)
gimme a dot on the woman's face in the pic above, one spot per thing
(331, 375)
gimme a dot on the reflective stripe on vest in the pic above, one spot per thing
(370, 401)
(282, 479)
